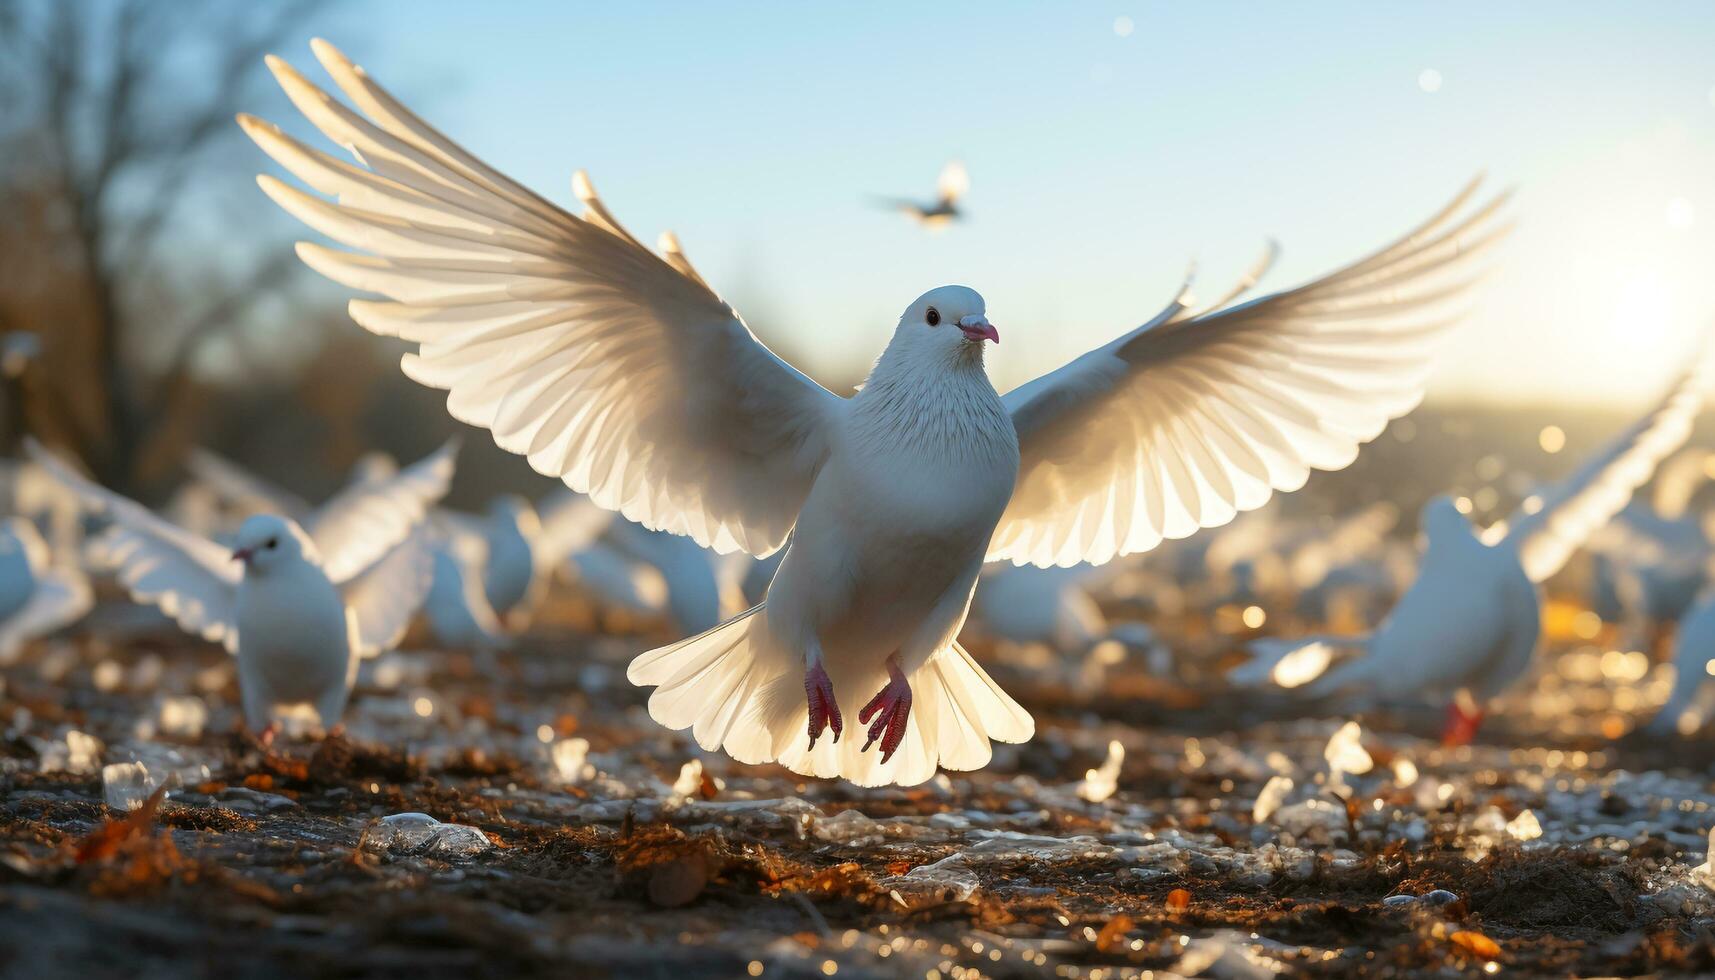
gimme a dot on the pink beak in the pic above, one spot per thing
(243, 555)
(979, 328)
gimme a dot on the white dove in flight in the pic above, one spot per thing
(40, 590)
(1468, 626)
(298, 605)
(950, 186)
(623, 373)
(510, 550)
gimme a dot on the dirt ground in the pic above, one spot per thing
(604, 846)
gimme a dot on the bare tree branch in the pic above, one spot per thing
(117, 152)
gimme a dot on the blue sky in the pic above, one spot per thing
(1103, 161)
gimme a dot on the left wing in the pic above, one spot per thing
(1196, 416)
(361, 523)
(1561, 518)
(62, 596)
(188, 577)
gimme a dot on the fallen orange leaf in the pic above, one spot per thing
(105, 840)
(1477, 943)
(1113, 934)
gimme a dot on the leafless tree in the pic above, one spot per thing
(128, 225)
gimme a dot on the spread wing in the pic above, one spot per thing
(1559, 520)
(608, 366)
(244, 489)
(1196, 416)
(62, 596)
(190, 578)
(361, 523)
(382, 600)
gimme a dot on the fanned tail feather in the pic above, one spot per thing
(729, 688)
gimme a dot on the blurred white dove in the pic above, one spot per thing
(509, 550)
(40, 590)
(621, 372)
(1693, 650)
(949, 187)
(518, 546)
(1052, 607)
(1468, 626)
(457, 608)
(298, 605)
(693, 575)
(1648, 570)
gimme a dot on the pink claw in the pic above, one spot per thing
(824, 710)
(891, 709)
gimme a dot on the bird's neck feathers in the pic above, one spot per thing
(940, 400)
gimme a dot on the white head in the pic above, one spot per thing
(267, 542)
(950, 321)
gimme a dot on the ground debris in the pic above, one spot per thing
(526, 827)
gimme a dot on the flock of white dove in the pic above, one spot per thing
(864, 530)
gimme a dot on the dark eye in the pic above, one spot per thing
(272, 542)
(933, 316)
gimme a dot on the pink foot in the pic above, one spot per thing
(1463, 720)
(266, 736)
(824, 710)
(891, 708)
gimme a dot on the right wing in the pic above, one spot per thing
(1563, 516)
(608, 366)
(190, 578)
(367, 519)
(1194, 417)
(386, 595)
(244, 489)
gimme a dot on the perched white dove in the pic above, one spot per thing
(1052, 607)
(519, 545)
(1649, 568)
(949, 187)
(617, 581)
(457, 608)
(297, 604)
(40, 590)
(1468, 626)
(1693, 651)
(693, 575)
(621, 372)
